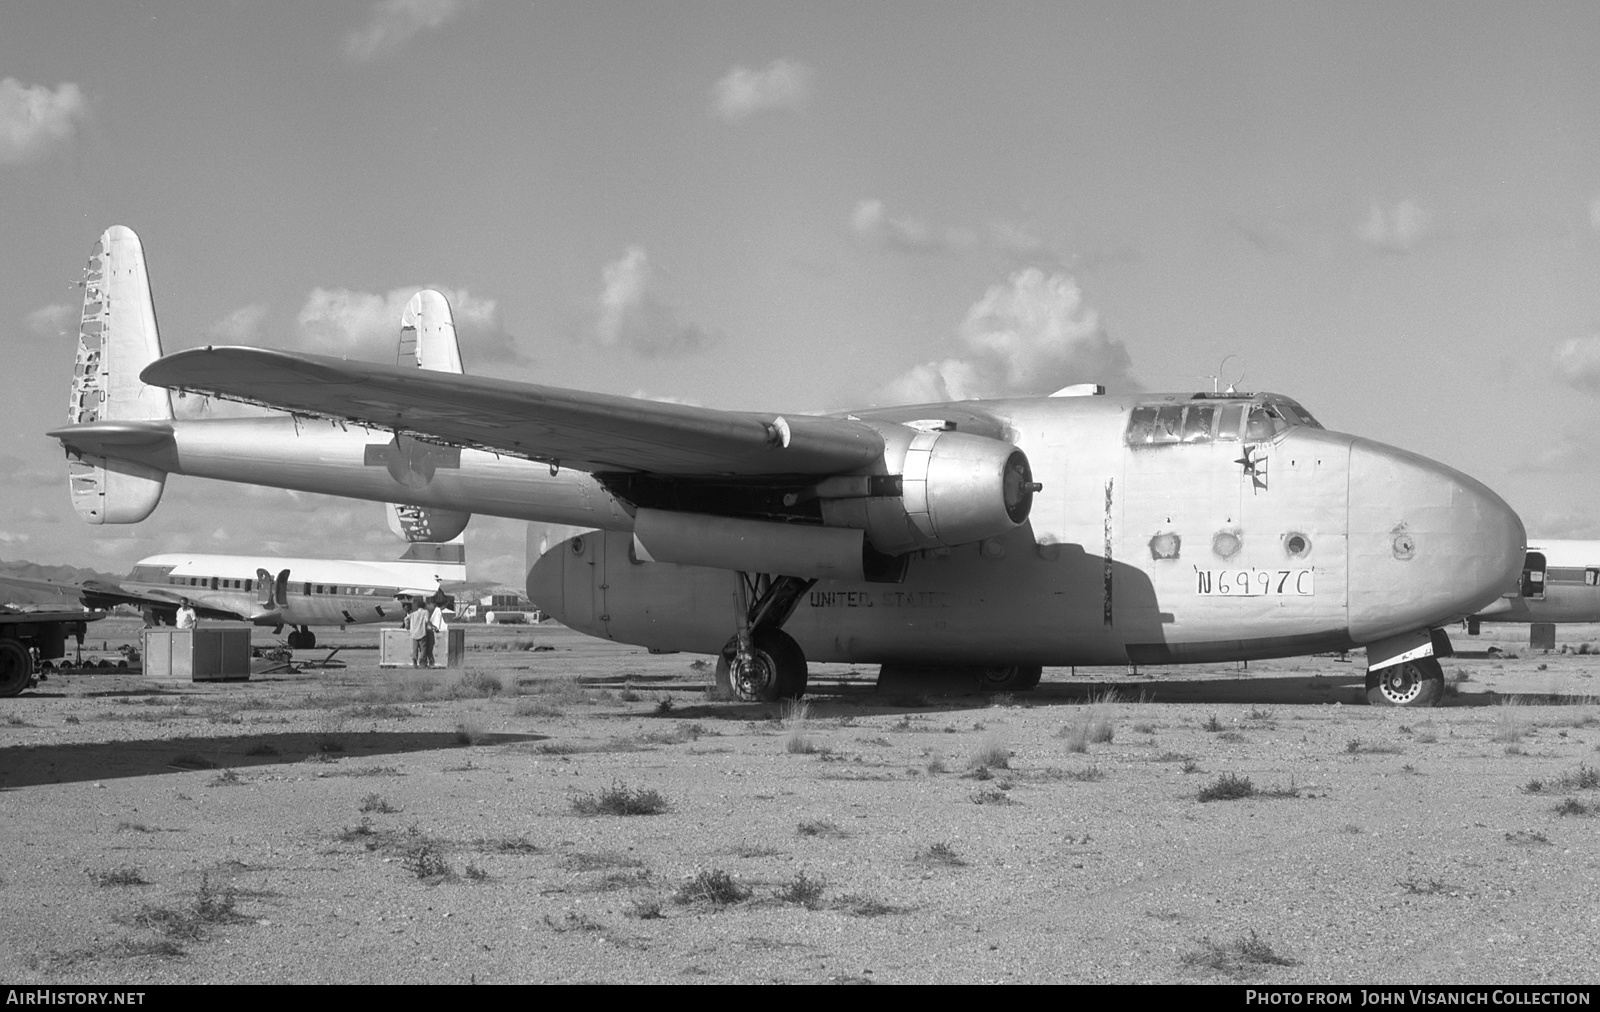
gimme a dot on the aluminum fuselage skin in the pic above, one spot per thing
(1340, 541)
(1368, 541)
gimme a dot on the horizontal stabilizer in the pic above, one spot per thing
(586, 431)
(452, 553)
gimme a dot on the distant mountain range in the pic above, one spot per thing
(22, 596)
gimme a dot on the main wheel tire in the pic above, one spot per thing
(308, 640)
(1411, 683)
(777, 669)
(16, 668)
(1016, 678)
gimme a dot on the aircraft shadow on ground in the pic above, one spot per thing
(329, 754)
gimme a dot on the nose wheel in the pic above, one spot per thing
(1410, 683)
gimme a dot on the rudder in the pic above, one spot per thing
(117, 338)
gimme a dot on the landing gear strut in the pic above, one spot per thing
(1410, 683)
(762, 662)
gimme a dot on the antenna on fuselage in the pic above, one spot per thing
(1222, 372)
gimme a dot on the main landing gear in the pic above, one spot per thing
(762, 662)
(1409, 683)
(302, 639)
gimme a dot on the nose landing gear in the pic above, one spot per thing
(1410, 683)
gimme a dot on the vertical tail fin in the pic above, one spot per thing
(428, 341)
(116, 340)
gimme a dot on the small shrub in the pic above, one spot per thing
(1511, 722)
(647, 908)
(475, 873)
(664, 707)
(803, 891)
(377, 803)
(1211, 724)
(477, 685)
(818, 827)
(1572, 806)
(940, 854)
(470, 732)
(530, 707)
(1231, 737)
(1237, 957)
(1228, 787)
(715, 887)
(121, 875)
(209, 907)
(992, 796)
(619, 800)
(1144, 727)
(425, 862)
(1189, 766)
(800, 743)
(227, 778)
(936, 765)
(858, 905)
(1089, 774)
(992, 754)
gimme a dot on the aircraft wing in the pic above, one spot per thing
(586, 431)
(100, 594)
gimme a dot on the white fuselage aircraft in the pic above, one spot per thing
(992, 536)
(1560, 585)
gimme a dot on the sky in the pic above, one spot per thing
(1390, 212)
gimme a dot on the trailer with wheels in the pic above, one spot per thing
(30, 637)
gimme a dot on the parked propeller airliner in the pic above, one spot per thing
(992, 536)
(301, 593)
(1560, 585)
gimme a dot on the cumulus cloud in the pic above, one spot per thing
(339, 321)
(784, 84)
(33, 120)
(1029, 335)
(1578, 363)
(1397, 229)
(393, 23)
(55, 320)
(242, 326)
(635, 316)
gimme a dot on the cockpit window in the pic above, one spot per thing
(1263, 424)
(1197, 421)
(1215, 419)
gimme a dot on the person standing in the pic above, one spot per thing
(417, 627)
(186, 617)
(438, 632)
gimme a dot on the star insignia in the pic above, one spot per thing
(1255, 468)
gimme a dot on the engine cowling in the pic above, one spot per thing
(955, 489)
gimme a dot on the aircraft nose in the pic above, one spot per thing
(1428, 545)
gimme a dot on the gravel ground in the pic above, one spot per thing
(361, 825)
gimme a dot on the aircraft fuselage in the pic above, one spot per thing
(1233, 545)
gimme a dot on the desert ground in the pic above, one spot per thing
(564, 809)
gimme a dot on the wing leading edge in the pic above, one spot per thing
(586, 431)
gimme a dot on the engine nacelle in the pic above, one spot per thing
(955, 488)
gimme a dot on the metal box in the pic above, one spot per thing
(394, 649)
(201, 654)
